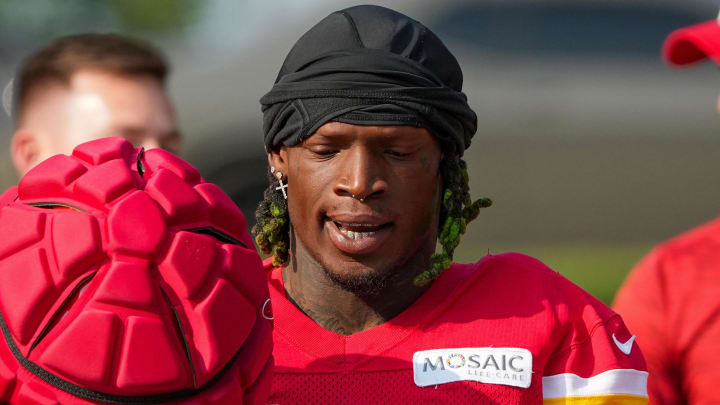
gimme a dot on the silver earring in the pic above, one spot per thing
(282, 186)
(264, 313)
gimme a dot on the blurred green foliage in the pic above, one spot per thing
(156, 15)
(27, 24)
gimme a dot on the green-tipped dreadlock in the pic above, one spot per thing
(272, 231)
(456, 212)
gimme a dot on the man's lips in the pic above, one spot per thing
(357, 235)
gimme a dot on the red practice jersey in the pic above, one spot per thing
(505, 330)
(672, 301)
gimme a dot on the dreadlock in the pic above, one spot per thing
(272, 230)
(456, 212)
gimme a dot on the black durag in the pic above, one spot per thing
(368, 65)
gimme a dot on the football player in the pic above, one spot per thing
(671, 297)
(365, 128)
(88, 86)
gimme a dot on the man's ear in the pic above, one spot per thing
(24, 150)
(278, 160)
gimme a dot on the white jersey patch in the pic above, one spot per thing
(490, 365)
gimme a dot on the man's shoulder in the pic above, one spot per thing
(703, 240)
(696, 251)
(509, 268)
(510, 262)
(681, 270)
(529, 280)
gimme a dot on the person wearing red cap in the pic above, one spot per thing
(670, 300)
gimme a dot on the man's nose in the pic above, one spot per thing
(361, 174)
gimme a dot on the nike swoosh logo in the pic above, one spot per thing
(624, 347)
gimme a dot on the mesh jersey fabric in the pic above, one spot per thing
(502, 301)
(390, 387)
(670, 300)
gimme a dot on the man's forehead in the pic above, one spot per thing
(135, 100)
(93, 78)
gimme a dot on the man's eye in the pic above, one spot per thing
(396, 153)
(325, 152)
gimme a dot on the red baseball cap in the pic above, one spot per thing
(694, 43)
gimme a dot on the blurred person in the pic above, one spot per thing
(83, 87)
(671, 298)
(365, 129)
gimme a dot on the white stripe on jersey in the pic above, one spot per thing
(621, 381)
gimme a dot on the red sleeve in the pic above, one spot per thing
(642, 303)
(597, 358)
(671, 302)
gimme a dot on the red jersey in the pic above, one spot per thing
(505, 330)
(672, 301)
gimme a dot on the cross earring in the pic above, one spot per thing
(283, 186)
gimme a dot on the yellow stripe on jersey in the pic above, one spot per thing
(598, 400)
(624, 384)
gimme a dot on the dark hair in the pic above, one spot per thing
(61, 58)
(272, 230)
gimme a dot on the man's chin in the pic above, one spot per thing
(362, 281)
